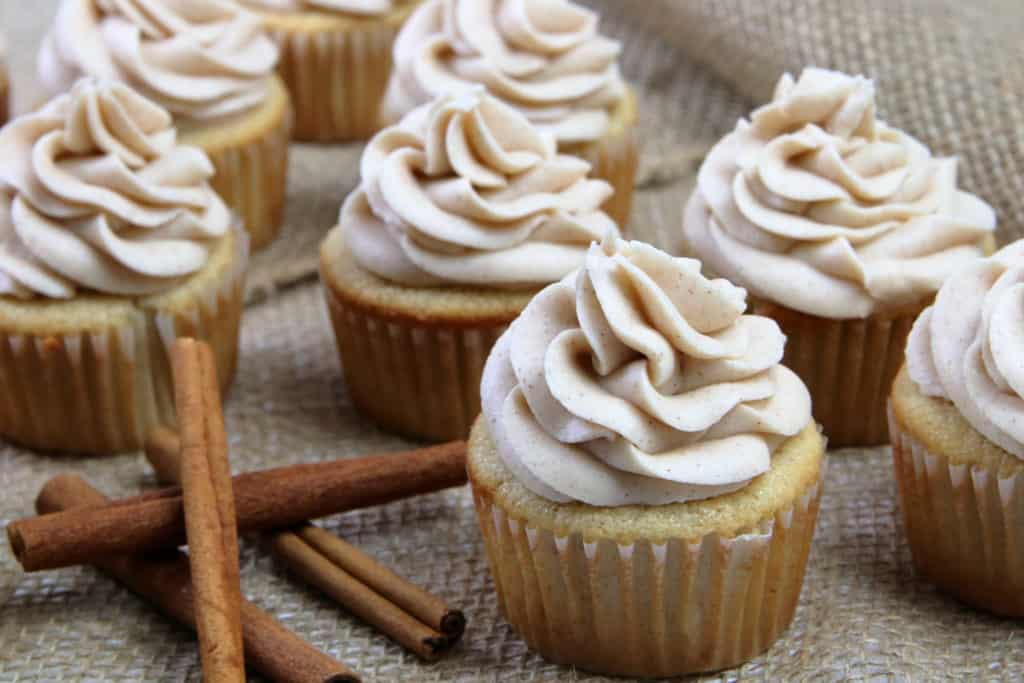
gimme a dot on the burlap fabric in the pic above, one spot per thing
(948, 71)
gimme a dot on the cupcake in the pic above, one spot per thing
(842, 229)
(5, 84)
(542, 57)
(208, 63)
(646, 474)
(335, 60)
(464, 211)
(112, 245)
(957, 425)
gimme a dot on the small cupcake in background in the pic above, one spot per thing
(957, 424)
(544, 58)
(842, 229)
(335, 60)
(207, 62)
(646, 474)
(465, 210)
(112, 245)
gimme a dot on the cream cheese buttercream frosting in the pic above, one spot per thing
(543, 57)
(199, 60)
(466, 191)
(638, 380)
(96, 195)
(817, 205)
(968, 347)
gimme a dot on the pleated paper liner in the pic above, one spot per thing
(336, 67)
(615, 158)
(250, 155)
(847, 365)
(91, 375)
(647, 608)
(412, 358)
(964, 523)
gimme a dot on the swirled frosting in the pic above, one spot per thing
(95, 194)
(637, 380)
(367, 8)
(466, 191)
(199, 60)
(543, 57)
(817, 205)
(967, 347)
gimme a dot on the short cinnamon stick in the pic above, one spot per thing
(163, 579)
(272, 499)
(305, 550)
(209, 512)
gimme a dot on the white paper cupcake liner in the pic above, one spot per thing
(102, 389)
(964, 524)
(645, 608)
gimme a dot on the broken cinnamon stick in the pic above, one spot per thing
(349, 575)
(163, 579)
(209, 512)
(272, 499)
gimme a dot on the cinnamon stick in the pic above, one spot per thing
(163, 579)
(209, 512)
(272, 499)
(349, 576)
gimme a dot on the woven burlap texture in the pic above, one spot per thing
(947, 71)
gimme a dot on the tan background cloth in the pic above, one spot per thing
(949, 72)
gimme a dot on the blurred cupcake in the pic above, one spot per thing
(646, 474)
(957, 423)
(335, 60)
(112, 244)
(465, 210)
(842, 229)
(5, 84)
(208, 63)
(542, 57)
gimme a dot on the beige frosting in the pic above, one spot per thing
(543, 57)
(96, 195)
(969, 346)
(466, 191)
(818, 206)
(358, 7)
(637, 380)
(200, 59)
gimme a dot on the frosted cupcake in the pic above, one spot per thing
(645, 472)
(842, 229)
(957, 423)
(112, 244)
(208, 63)
(465, 210)
(543, 57)
(335, 60)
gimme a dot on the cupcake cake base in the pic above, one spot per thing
(651, 591)
(92, 374)
(962, 499)
(412, 357)
(250, 155)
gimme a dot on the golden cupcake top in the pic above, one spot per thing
(817, 205)
(543, 57)
(199, 59)
(96, 195)
(362, 8)
(639, 381)
(467, 191)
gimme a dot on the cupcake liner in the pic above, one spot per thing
(102, 389)
(649, 609)
(848, 367)
(614, 159)
(252, 178)
(337, 76)
(5, 95)
(420, 380)
(964, 524)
